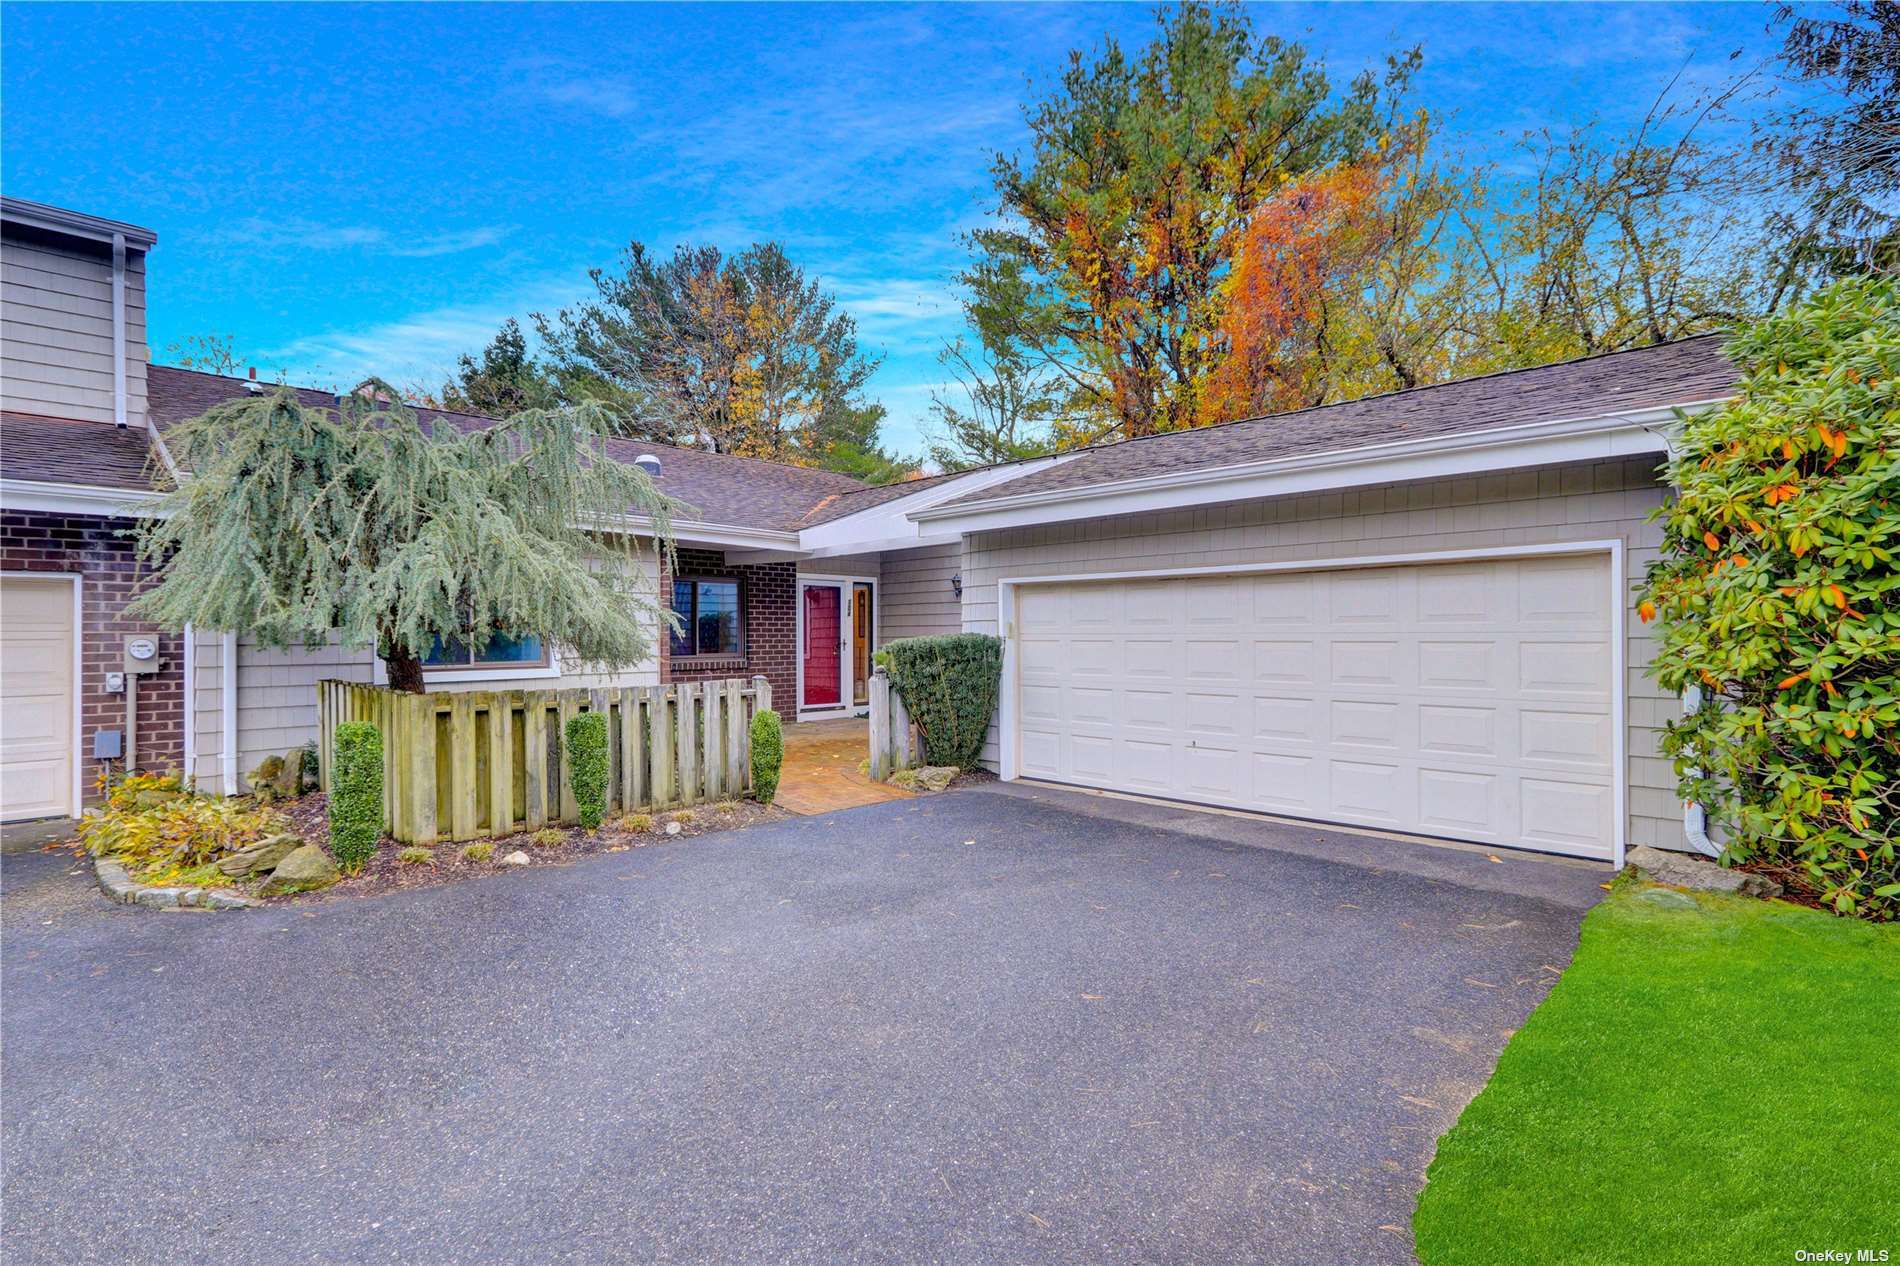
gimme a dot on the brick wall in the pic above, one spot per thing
(768, 592)
(100, 550)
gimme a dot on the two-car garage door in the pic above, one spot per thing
(1467, 700)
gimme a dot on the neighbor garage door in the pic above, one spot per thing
(1465, 700)
(36, 698)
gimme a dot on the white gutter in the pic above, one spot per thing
(1539, 443)
(33, 494)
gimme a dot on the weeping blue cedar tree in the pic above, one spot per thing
(294, 523)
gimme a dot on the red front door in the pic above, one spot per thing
(822, 612)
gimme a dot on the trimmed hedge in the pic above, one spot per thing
(949, 685)
(768, 754)
(587, 766)
(356, 794)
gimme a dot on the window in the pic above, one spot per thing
(709, 617)
(501, 652)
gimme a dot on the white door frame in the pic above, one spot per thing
(79, 680)
(1007, 709)
(843, 584)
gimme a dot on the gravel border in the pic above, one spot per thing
(122, 888)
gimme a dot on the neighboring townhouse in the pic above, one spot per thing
(1412, 612)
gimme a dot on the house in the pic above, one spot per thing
(1411, 612)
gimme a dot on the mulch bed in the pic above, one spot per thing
(383, 873)
(1796, 887)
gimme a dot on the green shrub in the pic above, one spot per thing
(768, 754)
(479, 851)
(587, 766)
(356, 794)
(949, 686)
(416, 855)
(1776, 597)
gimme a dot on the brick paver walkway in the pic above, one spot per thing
(821, 771)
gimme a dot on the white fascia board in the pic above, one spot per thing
(78, 224)
(892, 524)
(1437, 457)
(50, 498)
(693, 532)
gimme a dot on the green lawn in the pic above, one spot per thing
(1712, 1084)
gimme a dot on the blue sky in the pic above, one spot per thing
(348, 190)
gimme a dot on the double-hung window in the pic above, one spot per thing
(709, 623)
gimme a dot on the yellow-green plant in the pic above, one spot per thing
(548, 837)
(637, 822)
(1777, 599)
(167, 838)
(479, 851)
(416, 855)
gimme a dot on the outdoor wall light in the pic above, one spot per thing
(956, 584)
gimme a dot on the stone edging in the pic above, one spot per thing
(120, 886)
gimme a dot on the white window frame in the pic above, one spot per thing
(1008, 737)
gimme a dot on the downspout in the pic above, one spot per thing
(1695, 819)
(190, 759)
(118, 332)
(227, 698)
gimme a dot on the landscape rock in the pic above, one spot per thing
(672, 828)
(1680, 870)
(259, 857)
(303, 869)
(1667, 898)
(289, 780)
(924, 778)
(264, 777)
(517, 858)
(218, 899)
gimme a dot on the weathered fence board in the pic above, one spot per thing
(893, 738)
(462, 765)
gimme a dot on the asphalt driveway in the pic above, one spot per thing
(985, 1026)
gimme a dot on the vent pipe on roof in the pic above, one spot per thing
(649, 463)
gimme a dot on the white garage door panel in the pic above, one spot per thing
(1468, 700)
(36, 699)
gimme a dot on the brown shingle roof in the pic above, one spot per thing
(721, 489)
(1651, 377)
(67, 451)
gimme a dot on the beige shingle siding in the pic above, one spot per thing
(916, 598)
(277, 696)
(56, 331)
(1587, 501)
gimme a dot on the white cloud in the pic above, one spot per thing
(418, 349)
(308, 235)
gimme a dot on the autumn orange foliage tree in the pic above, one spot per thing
(1297, 254)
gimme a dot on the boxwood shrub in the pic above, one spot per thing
(768, 753)
(587, 766)
(356, 794)
(949, 686)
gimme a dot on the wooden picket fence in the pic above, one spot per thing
(668, 746)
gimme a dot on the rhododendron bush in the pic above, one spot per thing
(1775, 598)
